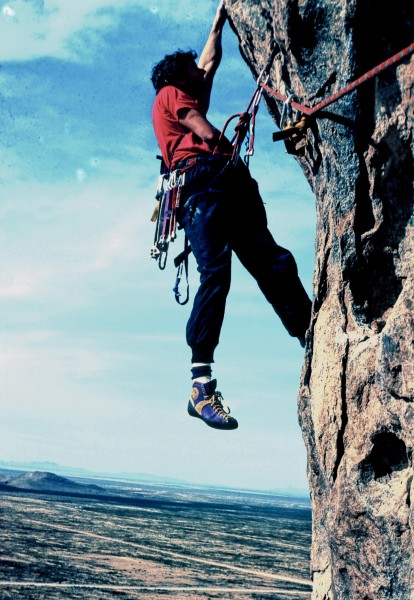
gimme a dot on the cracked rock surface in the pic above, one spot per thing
(356, 400)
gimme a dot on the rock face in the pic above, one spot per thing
(356, 395)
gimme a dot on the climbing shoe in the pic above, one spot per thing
(207, 404)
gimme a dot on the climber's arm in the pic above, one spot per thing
(211, 55)
(193, 120)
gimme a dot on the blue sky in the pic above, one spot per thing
(93, 360)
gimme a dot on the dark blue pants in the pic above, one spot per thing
(222, 211)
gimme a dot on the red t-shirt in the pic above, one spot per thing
(175, 141)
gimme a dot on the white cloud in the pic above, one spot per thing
(31, 30)
(8, 12)
(54, 382)
(55, 239)
(25, 283)
(80, 175)
(119, 244)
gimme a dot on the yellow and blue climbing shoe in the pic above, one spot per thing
(207, 404)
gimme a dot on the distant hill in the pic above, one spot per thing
(79, 472)
(126, 477)
(49, 482)
(46, 465)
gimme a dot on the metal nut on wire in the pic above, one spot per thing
(155, 252)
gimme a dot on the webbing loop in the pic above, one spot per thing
(286, 117)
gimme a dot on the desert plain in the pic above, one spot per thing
(127, 540)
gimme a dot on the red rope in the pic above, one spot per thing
(348, 88)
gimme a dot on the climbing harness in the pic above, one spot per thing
(295, 130)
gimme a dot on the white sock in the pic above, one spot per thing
(203, 378)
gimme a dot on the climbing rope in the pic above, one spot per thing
(293, 130)
(291, 126)
(348, 88)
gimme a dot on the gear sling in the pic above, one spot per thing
(170, 184)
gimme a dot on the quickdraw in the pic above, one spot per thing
(245, 128)
(181, 264)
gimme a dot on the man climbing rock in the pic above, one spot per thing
(221, 211)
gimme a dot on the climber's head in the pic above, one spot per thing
(180, 70)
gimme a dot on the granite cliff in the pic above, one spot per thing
(356, 393)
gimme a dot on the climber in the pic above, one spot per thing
(221, 211)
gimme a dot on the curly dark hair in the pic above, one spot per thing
(170, 67)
